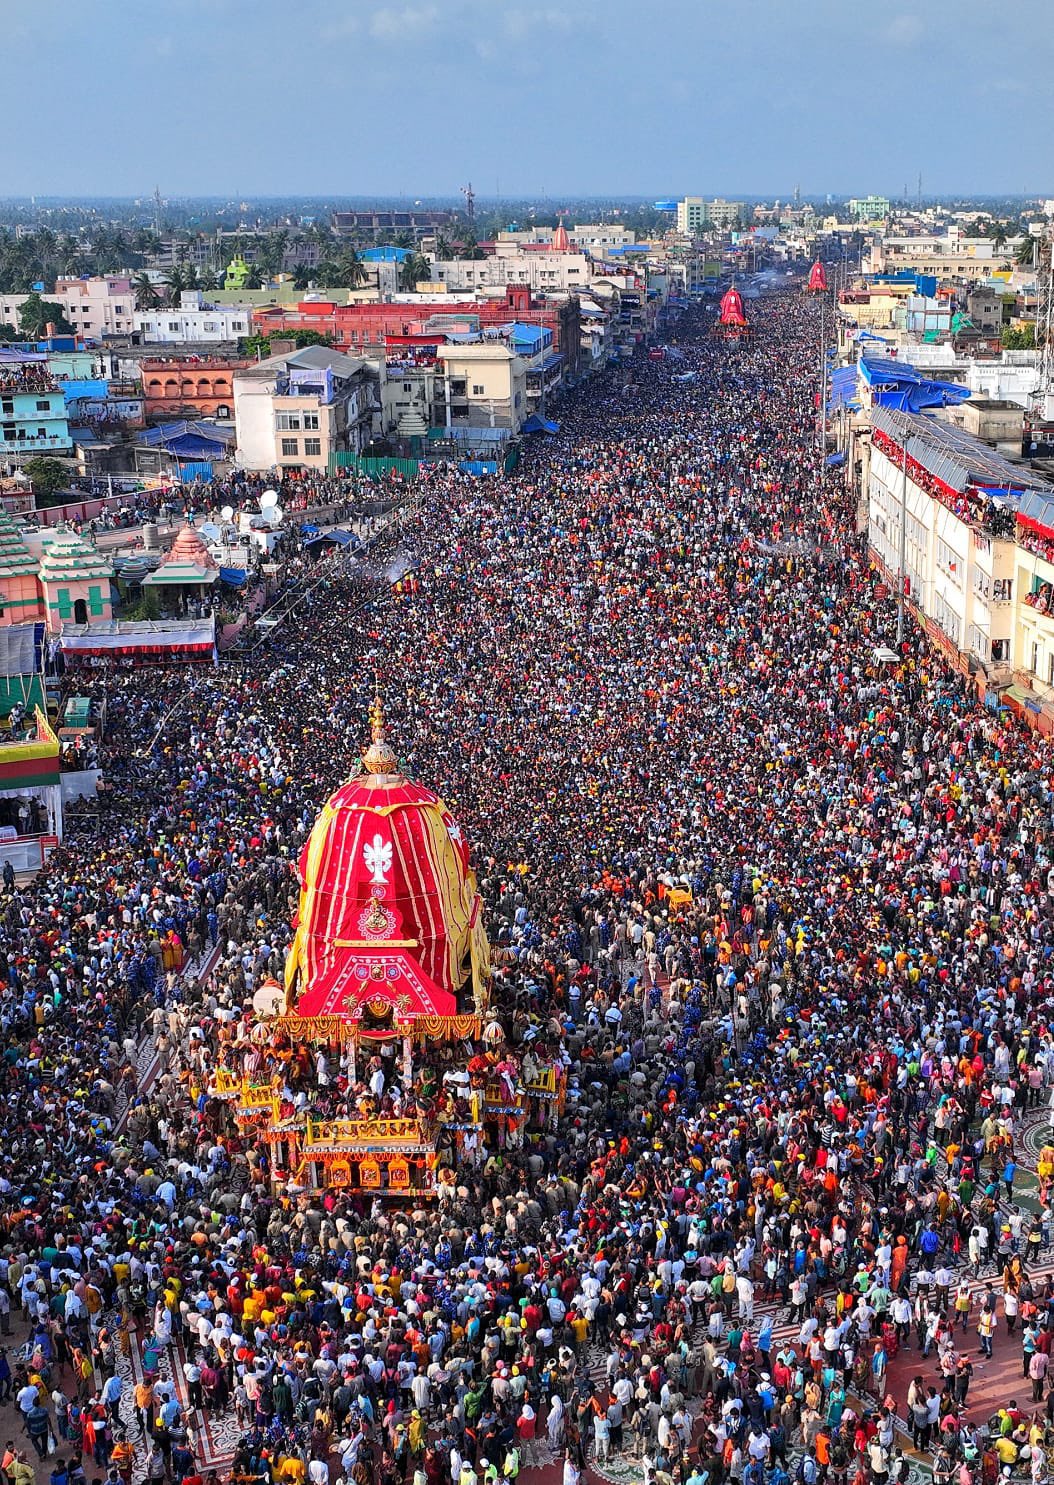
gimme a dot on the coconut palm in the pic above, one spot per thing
(147, 294)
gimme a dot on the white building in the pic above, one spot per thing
(481, 386)
(694, 215)
(95, 307)
(944, 515)
(194, 322)
(295, 411)
(540, 271)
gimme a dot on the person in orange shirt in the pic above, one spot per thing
(122, 1457)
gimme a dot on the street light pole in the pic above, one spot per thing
(823, 373)
(902, 562)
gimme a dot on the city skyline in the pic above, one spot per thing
(419, 98)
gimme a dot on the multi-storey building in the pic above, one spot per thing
(33, 416)
(202, 386)
(95, 307)
(970, 536)
(374, 329)
(294, 411)
(194, 322)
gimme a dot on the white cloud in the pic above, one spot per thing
(403, 23)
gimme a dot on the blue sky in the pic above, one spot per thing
(416, 97)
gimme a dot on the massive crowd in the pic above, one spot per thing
(781, 910)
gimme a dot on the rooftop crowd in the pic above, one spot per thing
(780, 910)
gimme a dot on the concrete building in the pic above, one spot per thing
(417, 323)
(192, 386)
(950, 255)
(33, 416)
(724, 214)
(193, 322)
(95, 307)
(692, 216)
(869, 208)
(977, 534)
(538, 270)
(481, 386)
(295, 411)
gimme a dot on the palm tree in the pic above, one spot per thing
(999, 236)
(1027, 252)
(351, 269)
(175, 284)
(147, 294)
(414, 269)
(208, 280)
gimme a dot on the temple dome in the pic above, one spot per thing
(188, 550)
(561, 242)
(390, 921)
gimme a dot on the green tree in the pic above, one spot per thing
(147, 293)
(8, 331)
(175, 283)
(1019, 339)
(147, 605)
(36, 314)
(48, 477)
(414, 270)
(260, 345)
(1027, 251)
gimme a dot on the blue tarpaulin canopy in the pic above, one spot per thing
(898, 384)
(834, 461)
(843, 388)
(537, 424)
(235, 576)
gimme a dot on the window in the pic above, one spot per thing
(477, 390)
(237, 324)
(211, 327)
(311, 420)
(948, 561)
(1003, 590)
(285, 422)
(118, 309)
(173, 325)
(44, 405)
(312, 446)
(290, 448)
(1050, 670)
(1000, 650)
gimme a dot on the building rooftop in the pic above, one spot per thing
(957, 458)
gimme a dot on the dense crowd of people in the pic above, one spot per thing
(780, 912)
